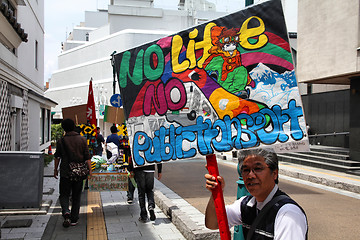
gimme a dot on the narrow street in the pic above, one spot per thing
(330, 215)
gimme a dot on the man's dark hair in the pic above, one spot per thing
(68, 125)
(270, 157)
(113, 129)
(97, 128)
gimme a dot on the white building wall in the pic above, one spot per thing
(100, 32)
(34, 115)
(25, 80)
(143, 18)
(69, 85)
(96, 19)
(104, 47)
(328, 36)
(32, 21)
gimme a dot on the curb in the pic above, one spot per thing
(44, 208)
(321, 180)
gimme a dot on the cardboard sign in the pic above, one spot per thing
(225, 85)
(108, 182)
(114, 115)
(76, 113)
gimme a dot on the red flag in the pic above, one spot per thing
(90, 107)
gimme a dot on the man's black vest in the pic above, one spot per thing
(265, 228)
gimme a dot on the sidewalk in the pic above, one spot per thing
(176, 218)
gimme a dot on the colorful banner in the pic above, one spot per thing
(225, 85)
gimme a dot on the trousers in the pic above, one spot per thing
(145, 183)
(74, 188)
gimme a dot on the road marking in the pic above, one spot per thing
(96, 228)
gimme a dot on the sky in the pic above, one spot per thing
(62, 16)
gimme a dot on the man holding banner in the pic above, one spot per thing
(228, 84)
(269, 213)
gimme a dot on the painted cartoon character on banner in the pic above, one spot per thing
(224, 64)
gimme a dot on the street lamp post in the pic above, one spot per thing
(114, 72)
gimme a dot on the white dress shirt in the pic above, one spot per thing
(290, 221)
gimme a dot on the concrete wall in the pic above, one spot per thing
(100, 32)
(98, 69)
(328, 35)
(96, 19)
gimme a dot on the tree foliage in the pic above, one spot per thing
(56, 132)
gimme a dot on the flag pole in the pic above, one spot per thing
(218, 197)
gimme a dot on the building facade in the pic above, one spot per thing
(22, 101)
(328, 62)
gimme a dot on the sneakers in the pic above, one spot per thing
(129, 201)
(152, 215)
(74, 223)
(67, 221)
(143, 220)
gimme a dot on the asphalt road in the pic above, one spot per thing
(330, 215)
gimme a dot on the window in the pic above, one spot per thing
(44, 125)
(36, 54)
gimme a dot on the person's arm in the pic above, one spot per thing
(210, 213)
(87, 156)
(89, 167)
(159, 168)
(56, 167)
(57, 156)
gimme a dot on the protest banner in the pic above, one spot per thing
(225, 85)
(75, 113)
(108, 182)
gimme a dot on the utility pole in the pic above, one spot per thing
(114, 72)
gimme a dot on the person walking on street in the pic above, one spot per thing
(69, 149)
(100, 140)
(144, 177)
(284, 218)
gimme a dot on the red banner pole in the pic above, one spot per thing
(218, 199)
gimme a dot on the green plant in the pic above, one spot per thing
(56, 132)
(48, 159)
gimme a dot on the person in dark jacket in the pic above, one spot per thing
(114, 137)
(100, 140)
(284, 220)
(71, 148)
